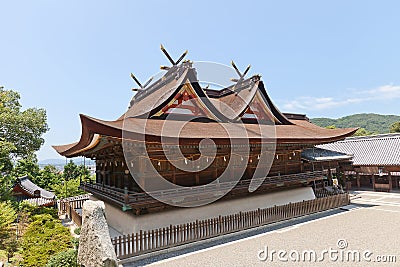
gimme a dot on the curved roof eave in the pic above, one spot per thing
(91, 129)
(300, 132)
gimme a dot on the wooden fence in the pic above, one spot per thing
(319, 193)
(147, 241)
(382, 187)
(76, 202)
(69, 206)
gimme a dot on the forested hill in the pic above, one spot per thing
(371, 122)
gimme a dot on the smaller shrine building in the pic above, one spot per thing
(376, 161)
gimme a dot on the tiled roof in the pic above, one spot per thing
(39, 201)
(319, 154)
(29, 187)
(375, 150)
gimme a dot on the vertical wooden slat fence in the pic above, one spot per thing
(152, 240)
(76, 202)
(69, 207)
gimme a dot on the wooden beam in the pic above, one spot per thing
(373, 181)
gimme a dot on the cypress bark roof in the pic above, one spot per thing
(224, 108)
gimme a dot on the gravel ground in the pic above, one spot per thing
(371, 230)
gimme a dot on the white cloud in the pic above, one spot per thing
(354, 96)
(386, 91)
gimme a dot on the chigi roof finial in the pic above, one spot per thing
(174, 63)
(141, 87)
(241, 76)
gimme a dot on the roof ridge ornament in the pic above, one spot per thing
(241, 75)
(174, 63)
(142, 87)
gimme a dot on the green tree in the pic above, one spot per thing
(20, 130)
(395, 127)
(5, 187)
(7, 217)
(72, 188)
(330, 127)
(72, 175)
(84, 172)
(26, 166)
(20, 136)
(71, 171)
(363, 132)
(6, 166)
(6, 149)
(48, 177)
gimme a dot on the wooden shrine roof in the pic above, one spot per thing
(300, 131)
(223, 109)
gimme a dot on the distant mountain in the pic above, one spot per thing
(52, 162)
(371, 122)
(61, 162)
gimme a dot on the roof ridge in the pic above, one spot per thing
(371, 137)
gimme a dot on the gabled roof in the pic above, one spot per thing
(29, 188)
(220, 107)
(377, 150)
(228, 104)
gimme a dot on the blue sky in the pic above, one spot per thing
(325, 59)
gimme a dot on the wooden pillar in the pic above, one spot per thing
(97, 173)
(373, 181)
(358, 179)
(142, 172)
(396, 182)
(390, 181)
(112, 169)
(339, 177)
(126, 179)
(347, 183)
(329, 176)
(285, 164)
(173, 175)
(107, 174)
(337, 172)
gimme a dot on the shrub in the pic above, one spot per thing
(64, 259)
(75, 242)
(44, 237)
(77, 231)
(32, 210)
